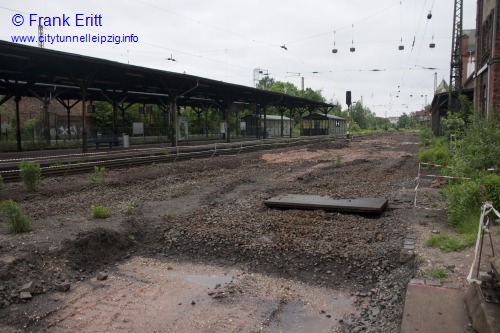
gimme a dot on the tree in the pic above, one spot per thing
(363, 116)
(265, 83)
(289, 88)
(406, 121)
(315, 95)
(286, 88)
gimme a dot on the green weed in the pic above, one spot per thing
(30, 174)
(99, 175)
(129, 208)
(420, 259)
(438, 273)
(100, 212)
(336, 161)
(17, 220)
(175, 192)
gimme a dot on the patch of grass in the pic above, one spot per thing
(175, 192)
(1, 181)
(451, 243)
(17, 220)
(99, 175)
(30, 174)
(167, 216)
(100, 212)
(438, 273)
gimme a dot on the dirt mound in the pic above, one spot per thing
(95, 248)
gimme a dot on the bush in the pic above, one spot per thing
(463, 203)
(30, 174)
(479, 148)
(354, 128)
(100, 212)
(426, 136)
(437, 152)
(17, 220)
(491, 183)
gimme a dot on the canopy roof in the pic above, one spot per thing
(31, 71)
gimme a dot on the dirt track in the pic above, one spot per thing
(202, 223)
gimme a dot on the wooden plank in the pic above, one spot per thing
(358, 205)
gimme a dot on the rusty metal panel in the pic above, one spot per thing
(358, 205)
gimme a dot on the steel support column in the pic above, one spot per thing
(17, 99)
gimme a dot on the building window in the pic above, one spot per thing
(337, 123)
(486, 38)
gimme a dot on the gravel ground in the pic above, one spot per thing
(211, 212)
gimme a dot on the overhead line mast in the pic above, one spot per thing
(455, 86)
(40, 34)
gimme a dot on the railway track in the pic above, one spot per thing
(61, 165)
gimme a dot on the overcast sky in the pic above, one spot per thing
(227, 39)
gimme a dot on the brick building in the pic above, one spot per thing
(32, 108)
(422, 117)
(487, 87)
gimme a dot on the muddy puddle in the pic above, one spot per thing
(152, 295)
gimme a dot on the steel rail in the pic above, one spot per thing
(84, 163)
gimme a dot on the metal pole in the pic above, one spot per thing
(348, 121)
(84, 120)
(18, 124)
(46, 117)
(175, 126)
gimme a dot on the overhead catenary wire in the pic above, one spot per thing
(295, 59)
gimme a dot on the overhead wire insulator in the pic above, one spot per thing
(352, 49)
(334, 50)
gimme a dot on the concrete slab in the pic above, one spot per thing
(434, 309)
(359, 205)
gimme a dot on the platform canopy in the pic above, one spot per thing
(41, 71)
